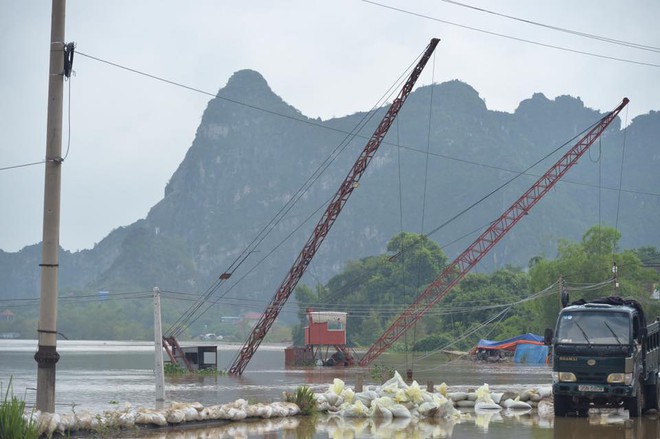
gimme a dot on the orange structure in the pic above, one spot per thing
(325, 330)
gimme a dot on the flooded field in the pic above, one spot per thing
(101, 375)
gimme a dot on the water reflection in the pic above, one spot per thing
(601, 426)
(492, 425)
(329, 426)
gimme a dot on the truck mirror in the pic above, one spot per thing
(547, 336)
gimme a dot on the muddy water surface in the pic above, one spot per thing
(102, 375)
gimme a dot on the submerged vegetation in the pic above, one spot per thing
(172, 369)
(304, 398)
(12, 422)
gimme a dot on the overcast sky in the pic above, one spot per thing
(128, 133)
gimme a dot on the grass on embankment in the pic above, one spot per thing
(12, 423)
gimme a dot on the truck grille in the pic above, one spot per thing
(591, 376)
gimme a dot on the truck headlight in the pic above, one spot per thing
(567, 377)
(619, 378)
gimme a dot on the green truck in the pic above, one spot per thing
(604, 354)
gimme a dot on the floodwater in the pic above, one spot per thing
(103, 375)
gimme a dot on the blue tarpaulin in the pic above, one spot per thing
(511, 343)
(531, 354)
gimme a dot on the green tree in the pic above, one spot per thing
(586, 263)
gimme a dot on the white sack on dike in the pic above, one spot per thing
(516, 404)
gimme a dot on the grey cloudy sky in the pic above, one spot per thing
(327, 58)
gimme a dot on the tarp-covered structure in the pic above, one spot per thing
(525, 348)
(511, 343)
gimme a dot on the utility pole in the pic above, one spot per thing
(158, 352)
(47, 355)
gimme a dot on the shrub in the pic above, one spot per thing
(12, 423)
(304, 398)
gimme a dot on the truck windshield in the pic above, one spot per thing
(594, 327)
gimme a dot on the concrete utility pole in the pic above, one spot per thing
(158, 352)
(47, 355)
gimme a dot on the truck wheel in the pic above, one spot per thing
(562, 405)
(635, 404)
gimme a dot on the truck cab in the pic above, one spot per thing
(605, 355)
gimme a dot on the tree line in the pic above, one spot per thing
(505, 303)
(376, 289)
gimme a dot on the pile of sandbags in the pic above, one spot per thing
(393, 399)
(129, 417)
(396, 399)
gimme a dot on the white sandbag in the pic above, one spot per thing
(382, 412)
(400, 411)
(291, 407)
(266, 412)
(176, 416)
(84, 420)
(380, 407)
(236, 414)
(191, 414)
(337, 386)
(240, 404)
(366, 397)
(497, 397)
(51, 426)
(414, 393)
(512, 404)
(457, 396)
(393, 384)
(147, 417)
(355, 410)
(479, 405)
(465, 403)
(332, 398)
(348, 395)
(446, 409)
(545, 392)
(400, 396)
(278, 410)
(127, 420)
(483, 394)
(67, 423)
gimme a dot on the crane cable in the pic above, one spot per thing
(424, 195)
(498, 317)
(618, 201)
(338, 150)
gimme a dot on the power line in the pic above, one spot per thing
(323, 126)
(551, 46)
(561, 29)
(23, 165)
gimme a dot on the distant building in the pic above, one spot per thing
(7, 315)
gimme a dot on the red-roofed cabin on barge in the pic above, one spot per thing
(324, 330)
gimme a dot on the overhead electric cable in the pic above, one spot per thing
(23, 165)
(551, 46)
(188, 319)
(313, 123)
(561, 29)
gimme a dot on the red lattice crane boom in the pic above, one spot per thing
(455, 271)
(327, 220)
